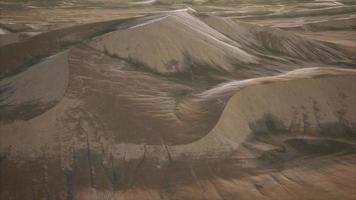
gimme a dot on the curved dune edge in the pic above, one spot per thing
(17, 57)
(268, 41)
(313, 12)
(293, 99)
(315, 105)
(172, 43)
(228, 45)
(288, 98)
(34, 91)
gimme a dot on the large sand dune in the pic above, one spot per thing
(177, 105)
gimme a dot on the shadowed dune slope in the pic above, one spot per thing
(295, 103)
(16, 57)
(35, 90)
(309, 12)
(133, 113)
(186, 43)
(276, 42)
(173, 43)
(260, 115)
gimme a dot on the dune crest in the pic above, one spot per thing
(172, 43)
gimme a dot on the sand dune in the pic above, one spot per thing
(319, 115)
(337, 24)
(228, 46)
(177, 105)
(313, 12)
(172, 42)
(276, 42)
(34, 90)
(18, 56)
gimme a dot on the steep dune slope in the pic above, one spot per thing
(260, 116)
(15, 57)
(186, 43)
(173, 43)
(332, 10)
(273, 105)
(276, 42)
(30, 93)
